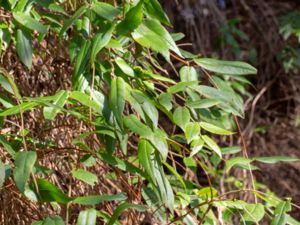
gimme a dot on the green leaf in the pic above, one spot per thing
(197, 146)
(151, 34)
(207, 192)
(85, 176)
(121, 164)
(174, 172)
(48, 192)
(84, 99)
(16, 109)
(97, 199)
(192, 131)
(275, 159)
(14, 88)
(51, 220)
(228, 100)
(188, 73)
(181, 86)
(160, 143)
(87, 217)
(124, 66)
(226, 67)
(101, 40)
(212, 144)
(253, 212)
(147, 105)
(5, 84)
(7, 147)
(24, 163)
(133, 19)
(280, 213)
(24, 47)
(105, 10)
(132, 123)
(165, 99)
(237, 161)
(81, 65)
(3, 173)
(117, 98)
(59, 102)
(29, 22)
(68, 23)
(181, 117)
(214, 129)
(118, 211)
(154, 9)
(202, 104)
(231, 150)
(146, 156)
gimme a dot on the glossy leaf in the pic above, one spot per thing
(84, 99)
(280, 213)
(24, 47)
(240, 161)
(29, 22)
(48, 192)
(19, 108)
(2, 174)
(9, 149)
(132, 123)
(165, 99)
(151, 34)
(117, 98)
(214, 129)
(24, 163)
(154, 9)
(101, 40)
(146, 156)
(124, 66)
(68, 23)
(181, 86)
(192, 131)
(105, 10)
(52, 220)
(253, 212)
(87, 217)
(275, 159)
(85, 176)
(202, 104)
(212, 144)
(133, 19)
(181, 117)
(59, 102)
(188, 73)
(97, 199)
(174, 172)
(226, 67)
(121, 208)
(197, 146)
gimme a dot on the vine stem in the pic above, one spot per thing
(245, 153)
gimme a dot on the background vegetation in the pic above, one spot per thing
(109, 115)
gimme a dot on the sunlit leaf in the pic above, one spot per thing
(85, 176)
(24, 47)
(226, 67)
(87, 217)
(23, 167)
(214, 129)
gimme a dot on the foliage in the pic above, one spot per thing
(151, 126)
(290, 27)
